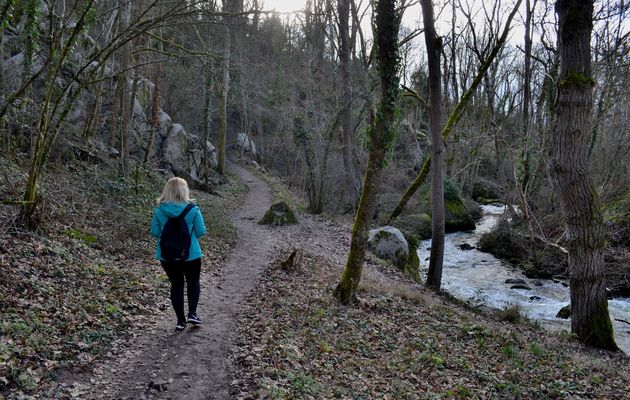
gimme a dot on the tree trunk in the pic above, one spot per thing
(381, 133)
(224, 88)
(584, 227)
(434, 50)
(125, 98)
(346, 124)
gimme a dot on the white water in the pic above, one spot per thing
(479, 278)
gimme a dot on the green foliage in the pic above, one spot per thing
(85, 237)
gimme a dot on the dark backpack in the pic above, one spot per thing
(175, 238)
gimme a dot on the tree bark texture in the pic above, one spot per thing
(381, 135)
(434, 50)
(590, 320)
(346, 123)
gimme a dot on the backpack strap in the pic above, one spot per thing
(189, 207)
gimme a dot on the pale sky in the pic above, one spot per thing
(409, 19)
(413, 17)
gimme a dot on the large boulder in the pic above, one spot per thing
(502, 242)
(279, 214)
(389, 243)
(456, 214)
(175, 147)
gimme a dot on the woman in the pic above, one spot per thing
(176, 210)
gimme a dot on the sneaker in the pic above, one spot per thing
(194, 319)
(180, 326)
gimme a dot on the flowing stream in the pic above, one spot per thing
(480, 279)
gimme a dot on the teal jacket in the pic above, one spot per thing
(193, 218)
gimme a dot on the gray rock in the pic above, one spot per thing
(515, 281)
(524, 287)
(245, 145)
(389, 243)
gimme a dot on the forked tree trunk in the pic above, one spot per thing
(434, 50)
(381, 133)
(590, 320)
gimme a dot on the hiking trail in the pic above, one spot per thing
(160, 363)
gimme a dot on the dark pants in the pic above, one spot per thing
(178, 272)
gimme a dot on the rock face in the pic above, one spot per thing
(279, 214)
(390, 244)
(246, 145)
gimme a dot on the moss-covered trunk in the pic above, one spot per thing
(381, 135)
(569, 169)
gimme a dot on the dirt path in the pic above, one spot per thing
(164, 364)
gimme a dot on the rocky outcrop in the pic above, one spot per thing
(246, 145)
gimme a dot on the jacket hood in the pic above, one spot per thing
(172, 210)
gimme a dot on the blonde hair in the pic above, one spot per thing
(175, 191)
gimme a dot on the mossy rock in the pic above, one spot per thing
(415, 224)
(279, 214)
(502, 242)
(457, 216)
(565, 312)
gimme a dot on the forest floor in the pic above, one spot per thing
(278, 334)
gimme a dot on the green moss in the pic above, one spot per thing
(279, 214)
(412, 265)
(600, 331)
(576, 79)
(77, 234)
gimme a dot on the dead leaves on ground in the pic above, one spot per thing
(296, 341)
